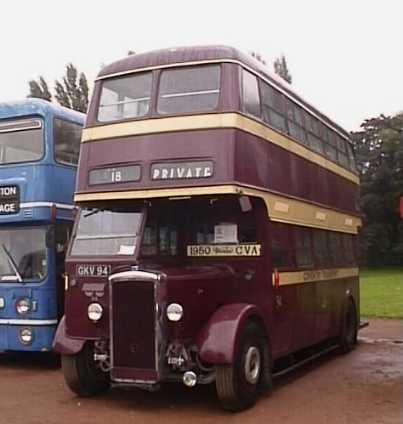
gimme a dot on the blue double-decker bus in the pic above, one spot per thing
(39, 146)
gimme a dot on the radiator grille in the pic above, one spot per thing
(133, 330)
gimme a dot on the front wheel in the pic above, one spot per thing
(82, 374)
(238, 384)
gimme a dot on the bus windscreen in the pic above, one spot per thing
(107, 232)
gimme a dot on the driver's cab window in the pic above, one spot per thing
(159, 239)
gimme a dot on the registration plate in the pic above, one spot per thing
(89, 270)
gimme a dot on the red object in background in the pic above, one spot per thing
(276, 278)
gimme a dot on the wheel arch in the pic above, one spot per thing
(64, 344)
(217, 341)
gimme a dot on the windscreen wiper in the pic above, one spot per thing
(12, 263)
(93, 212)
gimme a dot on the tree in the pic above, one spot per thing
(72, 92)
(379, 154)
(281, 69)
(39, 89)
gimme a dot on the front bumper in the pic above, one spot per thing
(42, 335)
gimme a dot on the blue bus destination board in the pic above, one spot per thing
(9, 199)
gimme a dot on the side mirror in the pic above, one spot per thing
(245, 203)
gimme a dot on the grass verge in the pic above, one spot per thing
(382, 292)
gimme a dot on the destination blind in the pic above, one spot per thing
(9, 199)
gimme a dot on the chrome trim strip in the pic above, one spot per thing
(28, 321)
(46, 204)
(134, 275)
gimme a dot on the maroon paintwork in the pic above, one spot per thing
(215, 341)
(218, 294)
(238, 157)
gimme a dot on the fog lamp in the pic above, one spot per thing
(26, 336)
(23, 306)
(95, 311)
(174, 312)
(189, 379)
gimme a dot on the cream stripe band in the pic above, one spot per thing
(211, 121)
(280, 209)
(301, 277)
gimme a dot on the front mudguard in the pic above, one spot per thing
(64, 344)
(217, 341)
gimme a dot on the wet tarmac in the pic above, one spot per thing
(364, 386)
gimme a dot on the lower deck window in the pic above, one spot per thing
(294, 247)
(23, 254)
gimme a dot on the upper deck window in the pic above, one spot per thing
(250, 94)
(67, 136)
(189, 89)
(295, 122)
(273, 107)
(21, 141)
(125, 97)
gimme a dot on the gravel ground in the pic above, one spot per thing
(364, 386)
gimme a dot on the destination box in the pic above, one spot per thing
(9, 199)
(182, 170)
(209, 250)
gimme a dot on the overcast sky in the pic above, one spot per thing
(345, 56)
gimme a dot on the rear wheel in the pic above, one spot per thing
(82, 374)
(349, 330)
(239, 384)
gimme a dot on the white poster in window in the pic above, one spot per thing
(126, 250)
(226, 233)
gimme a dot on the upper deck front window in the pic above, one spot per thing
(189, 89)
(125, 97)
(21, 141)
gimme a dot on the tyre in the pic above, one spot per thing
(239, 384)
(82, 374)
(349, 329)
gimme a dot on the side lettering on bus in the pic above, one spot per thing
(9, 199)
(224, 250)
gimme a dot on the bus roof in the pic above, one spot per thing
(31, 106)
(199, 54)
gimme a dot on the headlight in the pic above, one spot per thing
(174, 312)
(95, 311)
(23, 306)
(26, 336)
(2, 302)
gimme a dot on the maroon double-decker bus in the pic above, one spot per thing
(216, 238)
